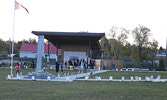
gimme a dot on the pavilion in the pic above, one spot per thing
(73, 44)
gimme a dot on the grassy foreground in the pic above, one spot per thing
(82, 90)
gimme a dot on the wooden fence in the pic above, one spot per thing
(109, 64)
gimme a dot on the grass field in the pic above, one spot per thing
(127, 75)
(83, 90)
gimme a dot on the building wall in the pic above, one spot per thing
(79, 55)
(28, 55)
(34, 55)
(74, 50)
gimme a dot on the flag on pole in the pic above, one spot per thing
(19, 6)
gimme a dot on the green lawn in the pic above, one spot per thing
(127, 75)
(82, 90)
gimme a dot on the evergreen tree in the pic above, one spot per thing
(161, 65)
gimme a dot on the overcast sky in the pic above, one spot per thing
(83, 15)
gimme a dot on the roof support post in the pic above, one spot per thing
(40, 53)
(48, 56)
(57, 52)
(90, 48)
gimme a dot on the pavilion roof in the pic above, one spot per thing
(78, 38)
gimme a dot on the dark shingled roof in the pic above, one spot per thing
(80, 34)
(75, 38)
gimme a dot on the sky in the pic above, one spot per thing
(83, 15)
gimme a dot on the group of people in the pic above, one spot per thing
(82, 63)
(21, 64)
(74, 64)
(67, 65)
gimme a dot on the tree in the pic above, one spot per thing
(118, 40)
(105, 47)
(4, 48)
(161, 49)
(161, 65)
(125, 51)
(112, 47)
(122, 41)
(30, 41)
(141, 35)
(152, 50)
(134, 55)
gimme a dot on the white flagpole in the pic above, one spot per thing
(166, 52)
(13, 40)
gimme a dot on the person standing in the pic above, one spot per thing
(57, 67)
(66, 65)
(20, 64)
(62, 64)
(85, 66)
(33, 64)
(82, 63)
(23, 65)
(17, 69)
(73, 63)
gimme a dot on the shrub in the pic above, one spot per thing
(161, 65)
(3, 64)
(132, 65)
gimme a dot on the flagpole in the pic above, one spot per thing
(13, 40)
(166, 52)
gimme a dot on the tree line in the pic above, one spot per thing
(116, 46)
(6, 46)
